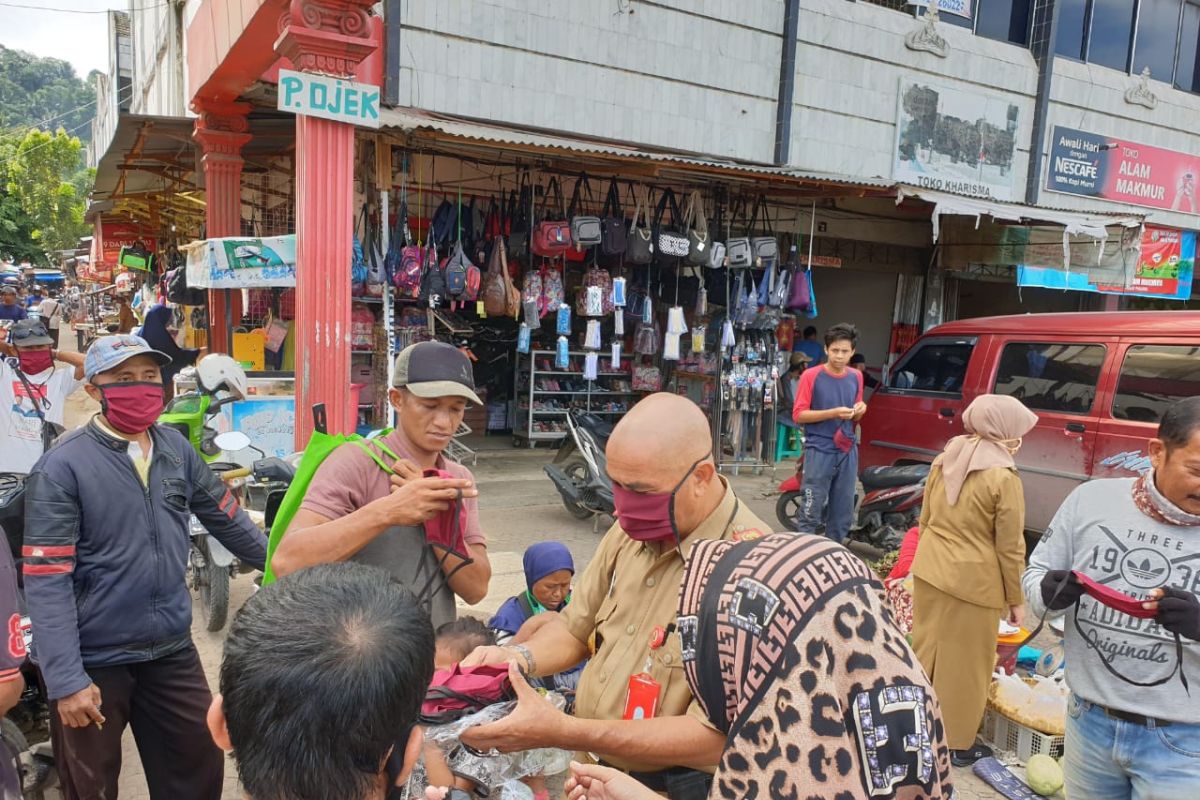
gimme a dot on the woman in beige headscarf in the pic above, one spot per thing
(967, 571)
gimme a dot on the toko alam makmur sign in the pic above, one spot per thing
(329, 98)
(1091, 165)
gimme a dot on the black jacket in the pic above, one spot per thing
(105, 556)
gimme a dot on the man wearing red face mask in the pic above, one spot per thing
(633, 707)
(33, 392)
(106, 544)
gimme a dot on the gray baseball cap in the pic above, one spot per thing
(108, 352)
(435, 369)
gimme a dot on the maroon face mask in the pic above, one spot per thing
(34, 362)
(649, 517)
(131, 407)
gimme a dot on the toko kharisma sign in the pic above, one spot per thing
(329, 98)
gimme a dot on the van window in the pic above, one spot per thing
(933, 366)
(1152, 377)
(1051, 376)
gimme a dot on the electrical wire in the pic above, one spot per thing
(21, 130)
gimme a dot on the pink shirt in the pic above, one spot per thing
(349, 479)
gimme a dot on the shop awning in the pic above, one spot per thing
(1073, 223)
(150, 161)
(526, 139)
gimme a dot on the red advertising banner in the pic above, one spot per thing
(1091, 165)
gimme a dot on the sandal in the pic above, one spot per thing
(965, 758)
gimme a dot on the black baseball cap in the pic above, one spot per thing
(435, 369)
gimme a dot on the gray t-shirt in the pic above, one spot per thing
(1099, 532)
(393, 551)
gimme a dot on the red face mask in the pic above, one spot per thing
(131, 407)
(648, 517)
(34, 362)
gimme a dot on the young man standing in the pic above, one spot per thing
(810, 346)
(829, 401)
(32, 389)
(1133, 728)
(355, 510)
(107, 534)
(10, 309)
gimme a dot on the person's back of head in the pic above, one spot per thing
(323, 676)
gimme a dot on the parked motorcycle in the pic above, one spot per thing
(887, 502)
(31, 715)
(579, 470)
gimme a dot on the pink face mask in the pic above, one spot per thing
(34, 362)
(131, 407)
(648, 517)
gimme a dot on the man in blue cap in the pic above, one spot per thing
(106, 544)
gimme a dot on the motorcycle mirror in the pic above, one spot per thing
(232, 441)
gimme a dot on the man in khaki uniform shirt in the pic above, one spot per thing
(668, 495)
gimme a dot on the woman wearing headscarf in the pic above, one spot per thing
(967, 571)
(792, 654)
(154, 331)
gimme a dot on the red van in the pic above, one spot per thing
(1099, 383)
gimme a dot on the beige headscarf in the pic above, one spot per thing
(995, 425)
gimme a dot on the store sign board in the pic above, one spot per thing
(959, 8)
(829, 262)
(240, 262)
(1163, 268)
(1091, 165)
(956, 141)
(329, 98)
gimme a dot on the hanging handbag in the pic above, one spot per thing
(699, 242)
(612, 223)
(586, 230)
(601, 280)
(551, 237)
(765, 248)
(520, 212)
(639, 247)
(433, 280)
(670, 242)
(738, 251)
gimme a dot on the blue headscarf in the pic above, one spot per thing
(543, 558)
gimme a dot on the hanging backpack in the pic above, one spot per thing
(434, 292)
(459, 691)
(401, 238)
(179, 292)
(601, 280)
(358, 258)
(500, 297)
(520, 211)
(544, 286)
(455, 267)
(442, 226)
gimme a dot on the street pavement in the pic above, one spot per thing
(518, 506)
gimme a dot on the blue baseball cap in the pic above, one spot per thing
(108, 352)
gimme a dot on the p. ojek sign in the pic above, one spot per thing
(329, 98)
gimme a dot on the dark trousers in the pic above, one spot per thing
(166, 701)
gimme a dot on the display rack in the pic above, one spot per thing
(542, 408)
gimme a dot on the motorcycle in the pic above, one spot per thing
(579, 470)
(31, 715)
(887, 503)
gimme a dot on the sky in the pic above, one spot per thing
(81, 39)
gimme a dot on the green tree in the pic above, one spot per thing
(43, 175)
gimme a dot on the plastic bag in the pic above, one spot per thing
(698, 334)
(591, 366)
(592, 339)
(532, 318)
(562, 353)
(563, 327)
(675, 320)
(671, 347)
(619, 325)
(594, 301)
(524, 335)
(615, 357)
(647, 312)
(645, 340)
(618, 292)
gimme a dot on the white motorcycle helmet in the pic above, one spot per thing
(218, 371)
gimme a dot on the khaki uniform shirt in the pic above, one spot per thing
(628, 590)
(974, 550)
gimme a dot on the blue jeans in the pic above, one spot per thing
(1110, 759)
(827, 492)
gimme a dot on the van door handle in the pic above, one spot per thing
(946, 412)
(1076, 427)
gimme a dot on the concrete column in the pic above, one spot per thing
(331, 37)
(222, 130)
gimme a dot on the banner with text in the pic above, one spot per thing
(1163, 268)
(1091, 165)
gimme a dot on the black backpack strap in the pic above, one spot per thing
(526, 607)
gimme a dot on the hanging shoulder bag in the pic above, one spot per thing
(612, 223)
(764, 248)
(699, 242)
(552, 235)
(738, 252)
(639, 248)
(670, 242)
(586, 230)
(520, 211)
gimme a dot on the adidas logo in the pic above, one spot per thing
(1145, 571)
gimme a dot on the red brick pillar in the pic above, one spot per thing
(222, 130)
(331, 37)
